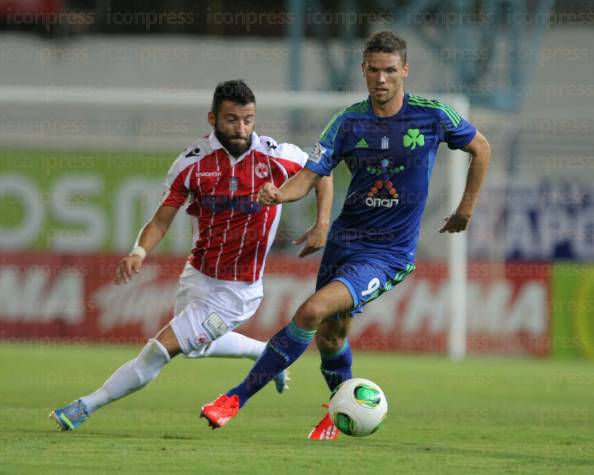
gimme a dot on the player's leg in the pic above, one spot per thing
(367, 278)
(236, 345)
(337, 358)
(335, 351)
(127, 379)
(282, 350)
(136, 373)
(331, 335)
(290, 342)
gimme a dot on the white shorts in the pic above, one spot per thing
(207, 308)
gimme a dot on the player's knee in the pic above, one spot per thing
(168, 340)
(150, 361)
(310, 314)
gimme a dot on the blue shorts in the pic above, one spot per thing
(367, 274)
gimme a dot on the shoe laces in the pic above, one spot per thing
(76, 410)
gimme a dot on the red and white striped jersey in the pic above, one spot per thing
(232, 232)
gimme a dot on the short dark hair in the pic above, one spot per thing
(386, 42)
(235, 91)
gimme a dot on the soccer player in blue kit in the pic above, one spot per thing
(389, 142)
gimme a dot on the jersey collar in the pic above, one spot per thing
(215, 144)
(400, 113)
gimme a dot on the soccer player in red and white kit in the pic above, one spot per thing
(221, 285)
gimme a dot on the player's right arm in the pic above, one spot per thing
(176, 193)
(149, 237)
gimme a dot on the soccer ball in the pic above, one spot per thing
(358, 407)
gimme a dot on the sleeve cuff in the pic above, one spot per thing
(316, 168)
(462, 144)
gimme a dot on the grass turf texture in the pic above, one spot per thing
(478, 416)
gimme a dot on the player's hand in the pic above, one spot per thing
(455, 223)
(269, 195)
(314, 239)
(127, 267)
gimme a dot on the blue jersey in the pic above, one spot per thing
(390, 159)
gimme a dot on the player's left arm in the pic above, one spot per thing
(295, 188)
(316, 236)
(480, 150)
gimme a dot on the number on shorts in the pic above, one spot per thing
(371, 287)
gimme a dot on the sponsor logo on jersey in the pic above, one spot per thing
(221, 203)
(383, 193)
(207, 174)
(261, 170)
(385, 143)
(383, 169)
(381, 202)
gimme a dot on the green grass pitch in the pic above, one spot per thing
(477, 416)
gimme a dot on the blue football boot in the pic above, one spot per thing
(71, 416)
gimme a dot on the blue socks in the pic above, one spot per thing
(336, 367)
(284, 349)
(281, 351)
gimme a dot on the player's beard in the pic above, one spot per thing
(234, 148)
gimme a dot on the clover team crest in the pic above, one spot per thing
(413, 138)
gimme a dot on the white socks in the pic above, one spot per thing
(235, 345)
(140, 371)
(131, 376)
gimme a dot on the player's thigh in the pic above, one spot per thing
(333, 331)
(333, 258)
(331, 299)
(191, 286)
(367, 278)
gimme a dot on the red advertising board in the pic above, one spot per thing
(73, 297)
